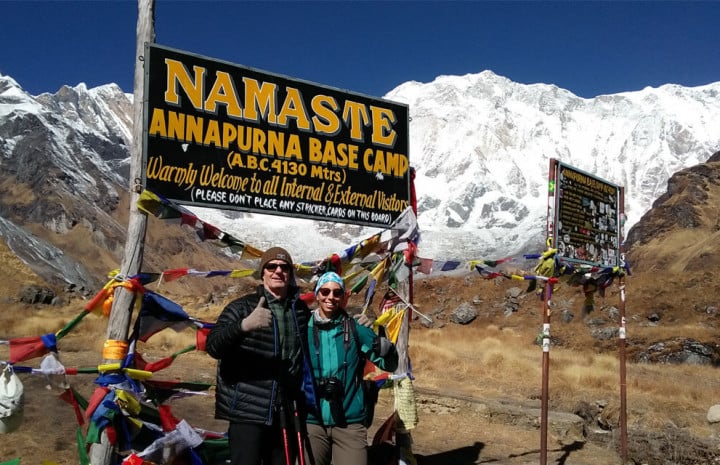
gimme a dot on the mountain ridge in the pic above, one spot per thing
(66, 158)
(521, 127)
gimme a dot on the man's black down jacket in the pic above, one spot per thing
(250, 369)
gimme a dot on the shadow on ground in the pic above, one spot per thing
(566, 451)
(461, 456)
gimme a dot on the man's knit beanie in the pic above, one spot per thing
(275, 253)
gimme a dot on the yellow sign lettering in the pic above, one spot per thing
(382, 123)
(294, 108)
(223, 92)
(260, 97)
(325, 121)
(178, 74)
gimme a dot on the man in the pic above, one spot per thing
(258, 340)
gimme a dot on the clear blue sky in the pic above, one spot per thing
(589, 48)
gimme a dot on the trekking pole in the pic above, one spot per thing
(283, 426)
(298, 428)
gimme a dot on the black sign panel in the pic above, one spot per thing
(587, 226)
(226, 136)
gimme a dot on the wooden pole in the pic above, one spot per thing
(623, 381)
(622, 334)
(124, 300)
(547, 294)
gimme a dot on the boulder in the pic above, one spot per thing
(713, 414)
(463, 314)
(33, 294)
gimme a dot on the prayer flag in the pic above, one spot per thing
(69, 396)
(171, 275)
(201, 338)
(167, 420)
(426, 265)
(25, 348)
(450, 265)
(157, 313)
(152, 204)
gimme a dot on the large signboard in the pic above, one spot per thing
(227, 136)
(585, 212)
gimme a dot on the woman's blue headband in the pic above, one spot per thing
(329, 277)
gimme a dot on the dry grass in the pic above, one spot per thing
(489, 363)
(16, 273)
(497, 356)
(21, 194)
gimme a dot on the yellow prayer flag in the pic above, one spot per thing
(241, 273)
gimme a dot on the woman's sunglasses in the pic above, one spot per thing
(271, 267)
(324, 291)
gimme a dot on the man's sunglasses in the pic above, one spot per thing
(271, 267)
(324, 291)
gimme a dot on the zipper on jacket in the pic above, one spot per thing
(273, 393)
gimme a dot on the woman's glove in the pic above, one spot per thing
(261, 317)
(382, 346)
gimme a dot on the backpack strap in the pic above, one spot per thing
(350, 322)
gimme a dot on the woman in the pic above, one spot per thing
(338, 348)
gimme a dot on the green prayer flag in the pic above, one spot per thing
(82, 448)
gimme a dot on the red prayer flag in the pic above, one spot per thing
(133, 459)
(167, 420)
(95, 400)
(188, 219)
(160, 364)
(410, 253)
(369, 368)
(386, 432)
(69, 397)
(201, 339)
(425, 265)
(171, 275)
(336, 263)
(142, 364)
(24, 348)
(413, 194)
(111, 434)
(308, 298)
(210, 232)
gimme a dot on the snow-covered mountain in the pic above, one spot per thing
(479, 143)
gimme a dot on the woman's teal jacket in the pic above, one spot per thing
(333, 352)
